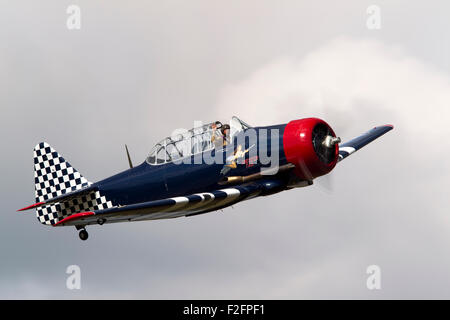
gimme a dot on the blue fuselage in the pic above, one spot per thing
(148, 182)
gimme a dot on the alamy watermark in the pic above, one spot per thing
(373, 21)
(74, 279)
(73, 21)
(373, 281)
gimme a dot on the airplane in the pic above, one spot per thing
(179, 178)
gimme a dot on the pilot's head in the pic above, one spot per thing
(225, 129)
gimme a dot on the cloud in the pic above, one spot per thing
(399, 181)
(349, 77)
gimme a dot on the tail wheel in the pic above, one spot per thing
(83, 235)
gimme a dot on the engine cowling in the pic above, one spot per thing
(312, 146)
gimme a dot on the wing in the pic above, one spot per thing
(189, 205)
(357, 143)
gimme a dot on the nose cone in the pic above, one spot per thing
(311, 145)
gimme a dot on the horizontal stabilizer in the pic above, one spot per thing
(63, 198)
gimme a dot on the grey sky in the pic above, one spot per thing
(135, 72)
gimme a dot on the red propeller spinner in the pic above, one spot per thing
(312, 146)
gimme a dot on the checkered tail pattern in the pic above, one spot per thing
(54, 177)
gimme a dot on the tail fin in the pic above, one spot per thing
(53, 177)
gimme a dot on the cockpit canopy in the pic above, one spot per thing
(187, 143)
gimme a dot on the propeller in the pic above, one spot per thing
(341, 120)
(324, 143)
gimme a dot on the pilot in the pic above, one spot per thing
(216, 125)
(225, 134)
(217, 135)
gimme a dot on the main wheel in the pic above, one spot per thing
(83, 235)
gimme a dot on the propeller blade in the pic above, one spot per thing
(305, 170)
(326, 183)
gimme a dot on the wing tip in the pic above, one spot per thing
(391, 126)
